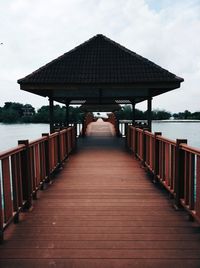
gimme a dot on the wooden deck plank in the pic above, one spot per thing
(102, 211)
(97, 237)
(98, 263)
(99, 244)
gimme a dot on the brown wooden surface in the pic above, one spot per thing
(102, 211)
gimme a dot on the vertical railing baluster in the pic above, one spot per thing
(179, 172)
(197, 192)
(26, 176)
(191, 181)
(16, 185)
(156, 155)
(186, 177)
(47, 156)
(144, 149)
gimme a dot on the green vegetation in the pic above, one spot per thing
(187, 115)
(13, 112)
(126, 113)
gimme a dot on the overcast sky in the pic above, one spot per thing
(34, 32)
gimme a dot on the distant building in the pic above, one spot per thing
(28, 110)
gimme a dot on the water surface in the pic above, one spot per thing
(11, 133)
(179, 130)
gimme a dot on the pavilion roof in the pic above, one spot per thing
(100, 71)
(100, 61)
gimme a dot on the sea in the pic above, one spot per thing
(11, 133)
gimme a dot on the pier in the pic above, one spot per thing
(100, 193)
(103, 209)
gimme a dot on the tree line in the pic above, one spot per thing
(13, 112)
(126, 113)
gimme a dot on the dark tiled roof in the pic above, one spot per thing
(100, 60)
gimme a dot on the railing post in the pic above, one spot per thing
(144, 146)
(118, 133)
(47, 165)
(75, 129)
(179, 173)
(58, 146)
(83, 128)
(26, 176)
(135, 142)
(156, 155)
(127, 136)
(74, 137)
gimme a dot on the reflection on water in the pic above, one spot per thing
(10, 134)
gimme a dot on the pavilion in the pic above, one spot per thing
(100, 73)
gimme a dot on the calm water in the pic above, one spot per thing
(180, 130)
(10, 134)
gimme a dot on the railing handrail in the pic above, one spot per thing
(174, 164)
(25, 168)
(12, 151)
(164, 139)
(190, 149)
(148, 133)
(37, 141)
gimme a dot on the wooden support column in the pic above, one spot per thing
(51, 115)
(67, 114)
(149, 116)
(133, 112)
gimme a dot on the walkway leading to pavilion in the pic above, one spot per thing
(100, 128)
(102, 211)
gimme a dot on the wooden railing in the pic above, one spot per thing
(78, 126)
(174, 164)
(123, 126)
(89, 118)
(25, 169)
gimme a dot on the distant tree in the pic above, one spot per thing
(1, 116)
(196, 115)
(187, 114)
(126, 113)
(12, 112)
(184, 115)
(160, 115)
(18, 107)
(42, 115)
(10, 116)
(75, 114)
(140, 115)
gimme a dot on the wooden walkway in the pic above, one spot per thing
(102, 211)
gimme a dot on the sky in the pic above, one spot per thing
(167, 32)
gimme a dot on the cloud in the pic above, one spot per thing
(36, 32)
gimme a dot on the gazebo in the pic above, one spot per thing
(100, 72)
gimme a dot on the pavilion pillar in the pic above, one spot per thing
(149, 116)
(67, 114)
(51, 115)
(133, 113)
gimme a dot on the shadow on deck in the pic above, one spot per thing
(102, 211)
